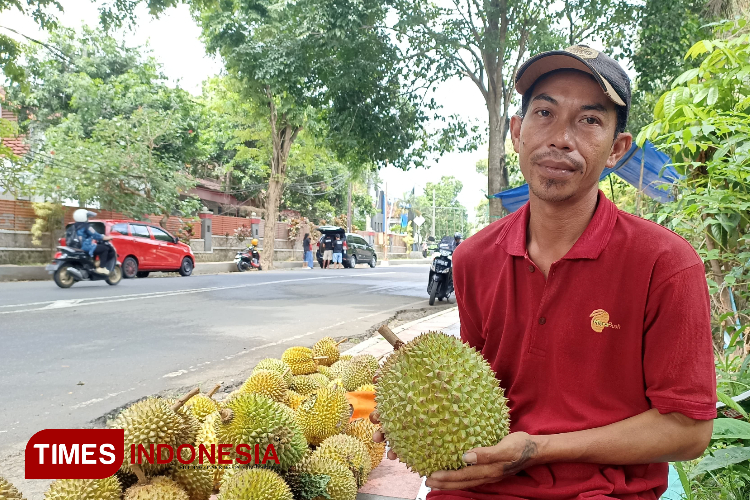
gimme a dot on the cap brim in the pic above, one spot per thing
(554, 60)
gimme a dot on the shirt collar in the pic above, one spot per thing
(512, 237)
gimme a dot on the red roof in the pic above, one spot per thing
(16, 144)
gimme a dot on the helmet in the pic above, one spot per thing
(254, 242)
(82, 215)
(457, 236)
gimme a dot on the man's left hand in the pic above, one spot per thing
(511, 455)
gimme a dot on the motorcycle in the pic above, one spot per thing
(440, 285)
(73, 264)
(248, 259)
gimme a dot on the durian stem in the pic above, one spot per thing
(213, 391)
(285, 372)
(184, 399)
(320, 357)
(341, 342)
(226, 415)
(136, 468)
(391, 337)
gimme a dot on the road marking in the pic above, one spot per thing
(62, 304)
(295, 337)
(99, 400)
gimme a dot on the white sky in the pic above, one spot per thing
(174, 40)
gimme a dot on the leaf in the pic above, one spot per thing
(713, 96)
(722, 459)
(730, 428)
(684, 480)
(731, 403)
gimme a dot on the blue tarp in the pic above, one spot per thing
(656, 172)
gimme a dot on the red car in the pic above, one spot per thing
(143, 247)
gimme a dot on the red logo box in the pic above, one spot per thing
(74, 453)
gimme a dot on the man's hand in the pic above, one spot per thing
(511, 455)
(106, 238)
(379, 437)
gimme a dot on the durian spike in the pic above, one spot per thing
(136, 468)
(213, 391)
(391, 337)
(341, 342)
(184, 399)
(226, 415)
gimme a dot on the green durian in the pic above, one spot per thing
(159, 488)
(275, 365)
(84, 489)
(257, 419)
(327, 350)
(309, 477)
(198, 483)
(207, 436)
(8, 491)
(255, 484)
(305, 384)
(324, 414)
(358, 372)
(364, 430)
(371, 361)
(438, 398)
(267, 382)
(201, 406)
(325, 370)
(350, 452)
(300, 360)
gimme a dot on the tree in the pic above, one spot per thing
(10, 50)
(450, 215)
(487, 41)
(318, 65)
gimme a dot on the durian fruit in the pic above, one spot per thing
(324, 414)
(371, 361)
(267, 382)
(310, 475)
(436, 393)
(326, 351)
(325, 370)
(306, 384)
(202, 405)
(207, 436)
(84, 489)
(159, 488)
(276, 365)
(294, 399)
(257, 419)
(127, 479)
(364, 430)
(300, 360)
(8, 491)
(337, 382)
(349, 451)
(198, 483)
(255, 484)
(346, 357)
(358, 372)
(366, 387)
(189, 427)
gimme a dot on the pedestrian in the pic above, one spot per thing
(327, 250)
(338, 252)
(307, 248)
(596, 322)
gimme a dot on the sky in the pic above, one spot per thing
(174, 41)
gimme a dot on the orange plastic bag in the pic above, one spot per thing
(363, 403)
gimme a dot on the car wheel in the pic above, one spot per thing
(373, 261)
(63, 278)
(129, 268)
(115, 276)
(353, 261)
(186, 269)
(143, 274)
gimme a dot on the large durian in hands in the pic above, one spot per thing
(300, 360)
(257, 419)
(324, 414)
(8, 491)
(255, 484)
(438, 398)
(84, 489)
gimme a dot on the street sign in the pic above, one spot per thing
(418, 220)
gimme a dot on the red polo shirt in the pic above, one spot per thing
(621, 325)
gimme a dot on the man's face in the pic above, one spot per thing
(567, 136)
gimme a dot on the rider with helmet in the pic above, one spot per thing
(91, 241)
(456, 240)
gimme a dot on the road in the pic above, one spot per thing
(68, 357)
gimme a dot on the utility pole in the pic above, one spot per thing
(349, 211)
(385, 222)
(433, 213)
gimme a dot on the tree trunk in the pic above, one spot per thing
(164, 220)
(273, 199)
(497, 174)
(349, 210)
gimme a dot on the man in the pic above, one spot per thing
(338, 252)
(596, 322)
(327, 250)
(456, 240)
(91, 241)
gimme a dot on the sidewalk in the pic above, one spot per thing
(391, 479)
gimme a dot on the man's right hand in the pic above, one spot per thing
(379, 437)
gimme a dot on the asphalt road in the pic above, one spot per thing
(67, 357)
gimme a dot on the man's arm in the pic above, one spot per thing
(650, 437)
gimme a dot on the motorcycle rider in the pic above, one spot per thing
(456, 240)
(92, 241)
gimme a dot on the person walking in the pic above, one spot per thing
(327, 250)
(307, 248)
(338, 252)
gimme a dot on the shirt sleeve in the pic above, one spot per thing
(678, 358)
(94, 234)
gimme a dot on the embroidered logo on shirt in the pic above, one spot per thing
(600, 321)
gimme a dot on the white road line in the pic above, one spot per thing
(99, 400)
(289, 339)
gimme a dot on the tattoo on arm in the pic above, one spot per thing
(529, 452)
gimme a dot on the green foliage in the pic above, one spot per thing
(11, 177)
(450, 215)
(49, 218)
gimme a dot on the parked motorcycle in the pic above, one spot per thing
(248, 259)
(440, 285)
(73, 264)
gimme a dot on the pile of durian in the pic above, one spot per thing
(297, 403)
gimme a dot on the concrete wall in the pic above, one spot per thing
(225, 248)
(16, 248)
